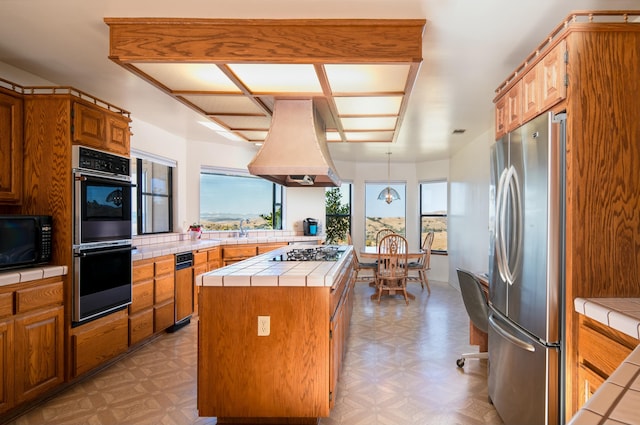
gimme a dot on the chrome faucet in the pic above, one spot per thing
(243, 232)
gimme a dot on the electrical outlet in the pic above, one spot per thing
(264, 325)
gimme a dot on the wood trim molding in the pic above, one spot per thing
(268, 40)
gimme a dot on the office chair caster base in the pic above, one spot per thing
(460, 362)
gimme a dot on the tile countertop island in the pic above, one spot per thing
(271, 336)
(617, 401)
(261, 270)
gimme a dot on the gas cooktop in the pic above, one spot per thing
(320, 253)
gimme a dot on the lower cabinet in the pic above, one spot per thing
(98, 341)
(152, 301)
(163, 293)
(601, 350)
(31, 340)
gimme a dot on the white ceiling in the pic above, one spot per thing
(469, 48)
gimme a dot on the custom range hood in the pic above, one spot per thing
(295, 151)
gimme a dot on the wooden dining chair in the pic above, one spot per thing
(360, 265)
(382, 233)
(392, 271)
(418, 269)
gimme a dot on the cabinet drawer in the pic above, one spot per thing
(270, 247)
(142, 270)
(199, 257)
(99, 341)
(163, 316)
(165, 265)
(603, 349)
(6, 304)
(38, 296)
(238, 252)
(140, 326)
(141, 296)
(163, 289)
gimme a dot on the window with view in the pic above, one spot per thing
(227, 199)
(433, 213)
(338, 213)
(379, 214)
(152, 197)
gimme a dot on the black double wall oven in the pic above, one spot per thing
(102, 234)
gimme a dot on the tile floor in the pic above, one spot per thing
(399, 369)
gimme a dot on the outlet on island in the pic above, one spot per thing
(264, 325)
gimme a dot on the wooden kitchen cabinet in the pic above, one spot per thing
(508, 110)
(31, 340)
(99, 341)
(234, 253)
(6, 365)
(544, 85)
(11, 146)
(163, 295)
(214, 258)
(141, 307)
(552, 76)
(266, 247)
(342, 307)
(199, 267)
(153, 299)
(100, 128)
(601, 350)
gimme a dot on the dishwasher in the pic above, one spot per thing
(183, 291)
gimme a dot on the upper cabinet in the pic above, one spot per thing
(533, 91)
(101, 129)
(11, 141)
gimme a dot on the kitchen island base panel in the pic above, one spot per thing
(268, 421)
(284, 374)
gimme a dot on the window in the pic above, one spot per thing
(433, 213)
(338, 213)
(379, 214)
(226, 199)
(152, 198)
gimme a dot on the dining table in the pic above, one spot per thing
(370, 253)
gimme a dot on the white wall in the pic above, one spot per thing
(469, 207)
(412, 174)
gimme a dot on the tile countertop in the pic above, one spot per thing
(617, 400)
(156, 250)
(262, 271)
(9, 277)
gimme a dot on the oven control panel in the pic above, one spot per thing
(95, 160)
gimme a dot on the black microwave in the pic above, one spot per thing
(25, 240)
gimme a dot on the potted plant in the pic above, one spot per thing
(195, 231)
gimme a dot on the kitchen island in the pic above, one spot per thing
(271, 336)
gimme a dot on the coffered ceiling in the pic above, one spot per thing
(468, 49)
(359, 72)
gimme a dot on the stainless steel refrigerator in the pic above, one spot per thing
(526, 273)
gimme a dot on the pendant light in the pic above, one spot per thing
(388, 194)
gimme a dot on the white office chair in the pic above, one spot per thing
(477, 307)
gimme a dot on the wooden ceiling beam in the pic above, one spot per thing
(265, 40)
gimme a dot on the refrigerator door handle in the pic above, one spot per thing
(508, 336)
(500, 224)
(513, 187)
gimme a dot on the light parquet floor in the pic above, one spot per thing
(399, 369)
